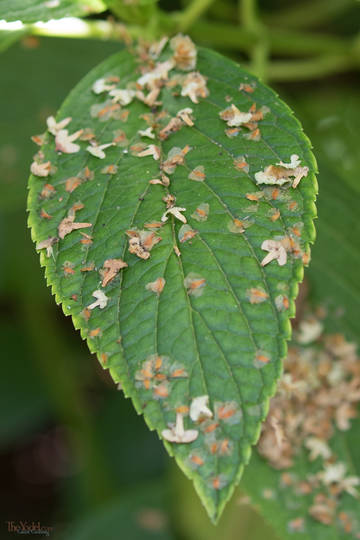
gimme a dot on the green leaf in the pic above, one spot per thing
(206, 333)
(30, 11)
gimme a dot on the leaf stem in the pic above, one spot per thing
(259, 50)
(310, 69)
(192, 13)
(308, 14)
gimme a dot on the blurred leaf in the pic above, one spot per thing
(202, 334)
(318, 495)
(283, 505)
(140, 515)
(239, 521)
(23, 402)
(29, 11)
(332, 119)
(8, 38)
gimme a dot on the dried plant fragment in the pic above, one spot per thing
(48, 245)
(111, 267)
(177, 432)
(202, 212)
(151, 150)
(41, 169)
(102, 85)
(54, 127)
(156, 286)
(194, 86)
(142, 242)
(199, 408)
(68, 224)
(282, 173)
(65, 143)
(176, 212)
(101, 300)
(122, 96)
(98, 150)
(194, 284)
(185, 116)
(276, 251)
(234, 117)
(148, 132)
(184, 52)
(241, 164)
(198, 174)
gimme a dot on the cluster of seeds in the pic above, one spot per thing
(317, 397)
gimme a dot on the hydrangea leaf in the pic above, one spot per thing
(175, 310)
(30, 11)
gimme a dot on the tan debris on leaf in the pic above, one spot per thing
(184, 52)
(65, 143)
(54, 127)
(198, 174)
(194, 86)
(276, 252)
(142, 242)
(151, 150)
(194, 284)
(282, 173)
(72, 183)
(111, 267)
(68, 224)
(41, 169)
(176, 212)
(256, 295)
(156, 286)
(202, 212)
(101, 300)
(186, 233)
(175, 157)
(122, 96)
(177, 432)
(234, 117)
(48, 245)
(102, 85)
(98, 150)
(199, 408)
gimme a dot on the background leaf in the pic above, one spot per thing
(29, 11)
(7, 38)
(214, 340)
(332, 120)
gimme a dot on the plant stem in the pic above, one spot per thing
(280, 41)
(308, 14)
(193, 12)
(259, 50)
(309, 69)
